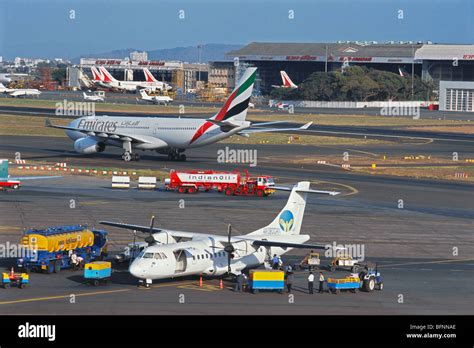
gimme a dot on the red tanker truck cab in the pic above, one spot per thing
(231, 183)
(9, 184)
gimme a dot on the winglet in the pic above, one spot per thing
(307, 125)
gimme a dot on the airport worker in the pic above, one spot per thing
(275, 262)
(74, 261)
(239, 283)
(289, 281)
(244, 282)
(280, 263)
(311, 282)
(321, 282)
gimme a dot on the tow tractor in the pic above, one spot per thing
(21, 280)
(371, 278)
(345, 262)
(310, 262)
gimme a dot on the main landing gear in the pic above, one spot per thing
(177, 157)
(128, 156)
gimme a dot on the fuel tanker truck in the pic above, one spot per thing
(231, 183)
(55, 248)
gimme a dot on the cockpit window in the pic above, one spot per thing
(148, 256)
(158, 256)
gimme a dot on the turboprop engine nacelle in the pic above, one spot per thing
(88, 145)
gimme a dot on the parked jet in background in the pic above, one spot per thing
(169, 135)
(94, 97)
(130, 86)
(217, 255)
(287, 83)
(150, 78)
(155, 99)
(7, 78)
(19, 92)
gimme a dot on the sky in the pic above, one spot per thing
(45, 29)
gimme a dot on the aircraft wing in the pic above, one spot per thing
(256, 129)
(146, 229)
(109, 135)
(285, 245)
(284, 188)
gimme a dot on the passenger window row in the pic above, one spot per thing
(209, 255)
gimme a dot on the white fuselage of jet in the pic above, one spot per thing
(160, 132)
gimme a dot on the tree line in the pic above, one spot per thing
(357, 83)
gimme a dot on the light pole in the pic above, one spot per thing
(199, 71)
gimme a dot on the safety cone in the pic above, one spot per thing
(221, 285)
(12, 273)
(200, 281)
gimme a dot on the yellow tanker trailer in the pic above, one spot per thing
(50, 249)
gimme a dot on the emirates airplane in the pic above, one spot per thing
(168, 135)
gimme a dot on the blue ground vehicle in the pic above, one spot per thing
(349, 283)
(50, 249)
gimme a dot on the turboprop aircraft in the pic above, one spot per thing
(169, 135)
(172, 254)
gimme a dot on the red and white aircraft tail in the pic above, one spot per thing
(287, 83)
(107, 77)
(96, 75)
(149, 76)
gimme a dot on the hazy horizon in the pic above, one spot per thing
(44, 29)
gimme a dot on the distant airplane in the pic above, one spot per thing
(7, 78)
(150, 78)
(13, 183)
(93, 97)
(155, 99)
(171, 254)
(131, 86)
(19, 92)
(169, 135)
(287, 83)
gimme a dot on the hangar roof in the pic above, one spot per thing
(445, 52)
(319, 49)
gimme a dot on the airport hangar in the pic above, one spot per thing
(431, 62)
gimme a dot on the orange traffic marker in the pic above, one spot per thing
(200, 281)
(221, 285)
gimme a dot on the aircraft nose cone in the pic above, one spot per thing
(136, 271)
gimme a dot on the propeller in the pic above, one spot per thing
(229, 248)
(150, 240)
(132, 252)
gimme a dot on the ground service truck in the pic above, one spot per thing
(231, 183)
(51, 249)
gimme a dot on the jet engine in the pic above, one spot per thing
(88, 145)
